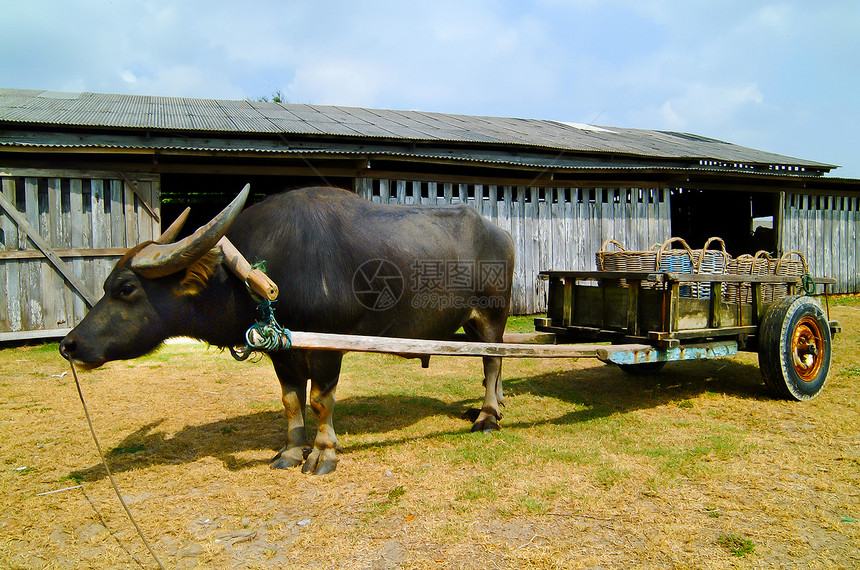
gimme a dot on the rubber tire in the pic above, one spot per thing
(787, 317)
(644, 369)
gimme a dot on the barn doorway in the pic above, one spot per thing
(208, 194)
(744, 220)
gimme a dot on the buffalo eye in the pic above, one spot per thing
(125, 290)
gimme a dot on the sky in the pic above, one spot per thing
(780, 76)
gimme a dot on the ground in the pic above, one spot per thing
(697, 467)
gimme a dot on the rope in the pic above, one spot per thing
(266, 334)
(808, 283)
(110, 475)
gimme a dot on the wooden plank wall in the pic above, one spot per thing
(825, 230)
(89, 219)
(553, 227)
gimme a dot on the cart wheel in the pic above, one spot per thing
(643, 369)
(794, 348)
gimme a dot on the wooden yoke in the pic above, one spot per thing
(255, 279)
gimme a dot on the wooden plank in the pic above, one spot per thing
(58, 263)
(631, 354)
(520, 261)
(76, 214)
(131, 235)
(633, 328)
(416, 347)
(668, 277)
(10, 317)
(30, 278)
(844, 245)
(100, 228)
(854, 247)
(74, 253)
(51, 283)
(64, 241)
(543, 247)
(479, 200)
(716, 300)
(493, 192)
(433, 193)
(703, 333)
(34, 334)
(531, 241)
(117, 214)
(555, 229)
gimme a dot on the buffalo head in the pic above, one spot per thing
(149, 293)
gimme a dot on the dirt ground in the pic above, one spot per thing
(697, 467)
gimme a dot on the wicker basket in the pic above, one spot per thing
(786, 265)
(710, 262)
(681, 260)
(623, 260)
(759, 264)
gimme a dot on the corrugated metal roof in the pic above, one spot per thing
(189, 116)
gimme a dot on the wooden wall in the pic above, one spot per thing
(61, 232)
(825, 230)
(553, 227)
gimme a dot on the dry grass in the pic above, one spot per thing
(694, 468)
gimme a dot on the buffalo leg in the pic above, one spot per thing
(325, 370)
(485, 329)
(293, 376)
(323, 457)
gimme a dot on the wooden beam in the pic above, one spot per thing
(29, 335)
(64, 253)
(55, 260)
(423, 347)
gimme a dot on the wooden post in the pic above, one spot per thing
(258, 281)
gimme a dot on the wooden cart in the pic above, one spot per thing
(642, 319)
(651, 318)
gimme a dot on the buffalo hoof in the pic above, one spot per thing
(288, 458)
(320, 462)
(487, 425)
(284, 463)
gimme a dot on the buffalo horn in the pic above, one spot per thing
(168, 235)
(159, 260)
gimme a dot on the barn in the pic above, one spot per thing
(86, 175)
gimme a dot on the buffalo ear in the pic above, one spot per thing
(198, 274)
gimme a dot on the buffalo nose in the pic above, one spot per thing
(67, 348)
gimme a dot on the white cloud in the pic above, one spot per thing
(356, 83)
(706, 105)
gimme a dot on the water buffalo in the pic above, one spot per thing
(342, 264)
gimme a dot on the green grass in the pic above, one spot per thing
(737, 545)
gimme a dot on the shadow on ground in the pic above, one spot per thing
(596, 391)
